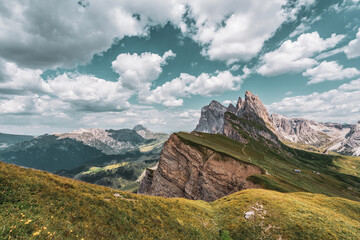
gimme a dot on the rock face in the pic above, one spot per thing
(107, 141)
(247, 114)
(300, 130)
(212, 118)
(341, 138)
(193, 173)
(351, 146)
(253, 109)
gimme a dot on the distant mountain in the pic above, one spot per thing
(340, 138)
(50, 153)
(351, 144)
(297, 132)
(8, 139)
(81, 147)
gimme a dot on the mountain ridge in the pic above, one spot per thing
(192, 164)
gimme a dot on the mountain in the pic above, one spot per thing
(296, 132)
(40, 205)
(247, 154)
(323, 137)
(351, 144)
(108, 141)
(50, 153)
(114, 158)
(8, 139)
(211, 120)
(251, 109)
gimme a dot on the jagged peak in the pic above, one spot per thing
(231, 108)
(215, 103)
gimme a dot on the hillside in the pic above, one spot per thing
(39, 205)
(8, 139)
(246, 154)
(326, 174)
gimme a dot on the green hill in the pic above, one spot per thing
(332, 175)
(39, 205)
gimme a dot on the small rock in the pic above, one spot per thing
(117, 195)
(249, 214)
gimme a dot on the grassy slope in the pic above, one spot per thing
(340, 175)
(39, 205)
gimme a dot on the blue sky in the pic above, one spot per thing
(114, 64)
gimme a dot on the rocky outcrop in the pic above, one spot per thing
(326, 136)
(249, 116)
(242, 130)
(351, 146)
(196, 173)
(212, 118)
(253, 109)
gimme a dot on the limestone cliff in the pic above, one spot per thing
(196, 172)
(212, 118)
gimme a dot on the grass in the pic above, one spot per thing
(39, 205)
(339, 175)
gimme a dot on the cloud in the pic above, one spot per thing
(32, 105)
(88, 93)
(16, 80)
(138, 71)
(352, 50)
(48, 33)
(296, 56)
(170, 93)
(353, 85)
(304, 25)
(337, 105)
(235, 30)
(329, 71)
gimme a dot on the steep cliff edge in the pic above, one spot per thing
(196, 172)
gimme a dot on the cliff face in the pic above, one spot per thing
(196, 173)
(212, 118)
(351, 145)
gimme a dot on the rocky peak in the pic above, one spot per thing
(253, 109)
(231, 108)
(212, 118)
(239, 104)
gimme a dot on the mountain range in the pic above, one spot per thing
(297, 132)
(240, 147)
(255, 181)
(114, 158)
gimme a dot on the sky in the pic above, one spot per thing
(107, 64)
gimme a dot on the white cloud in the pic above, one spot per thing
(299, 30)
(329, 71)
(20, 80)
(235, 30)
(49, 33)
(352, 50)
(296, 56)
(353, 85)
(89, 93)
(138, 71)
(32, 104)
(337, 105)
(170, 93)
